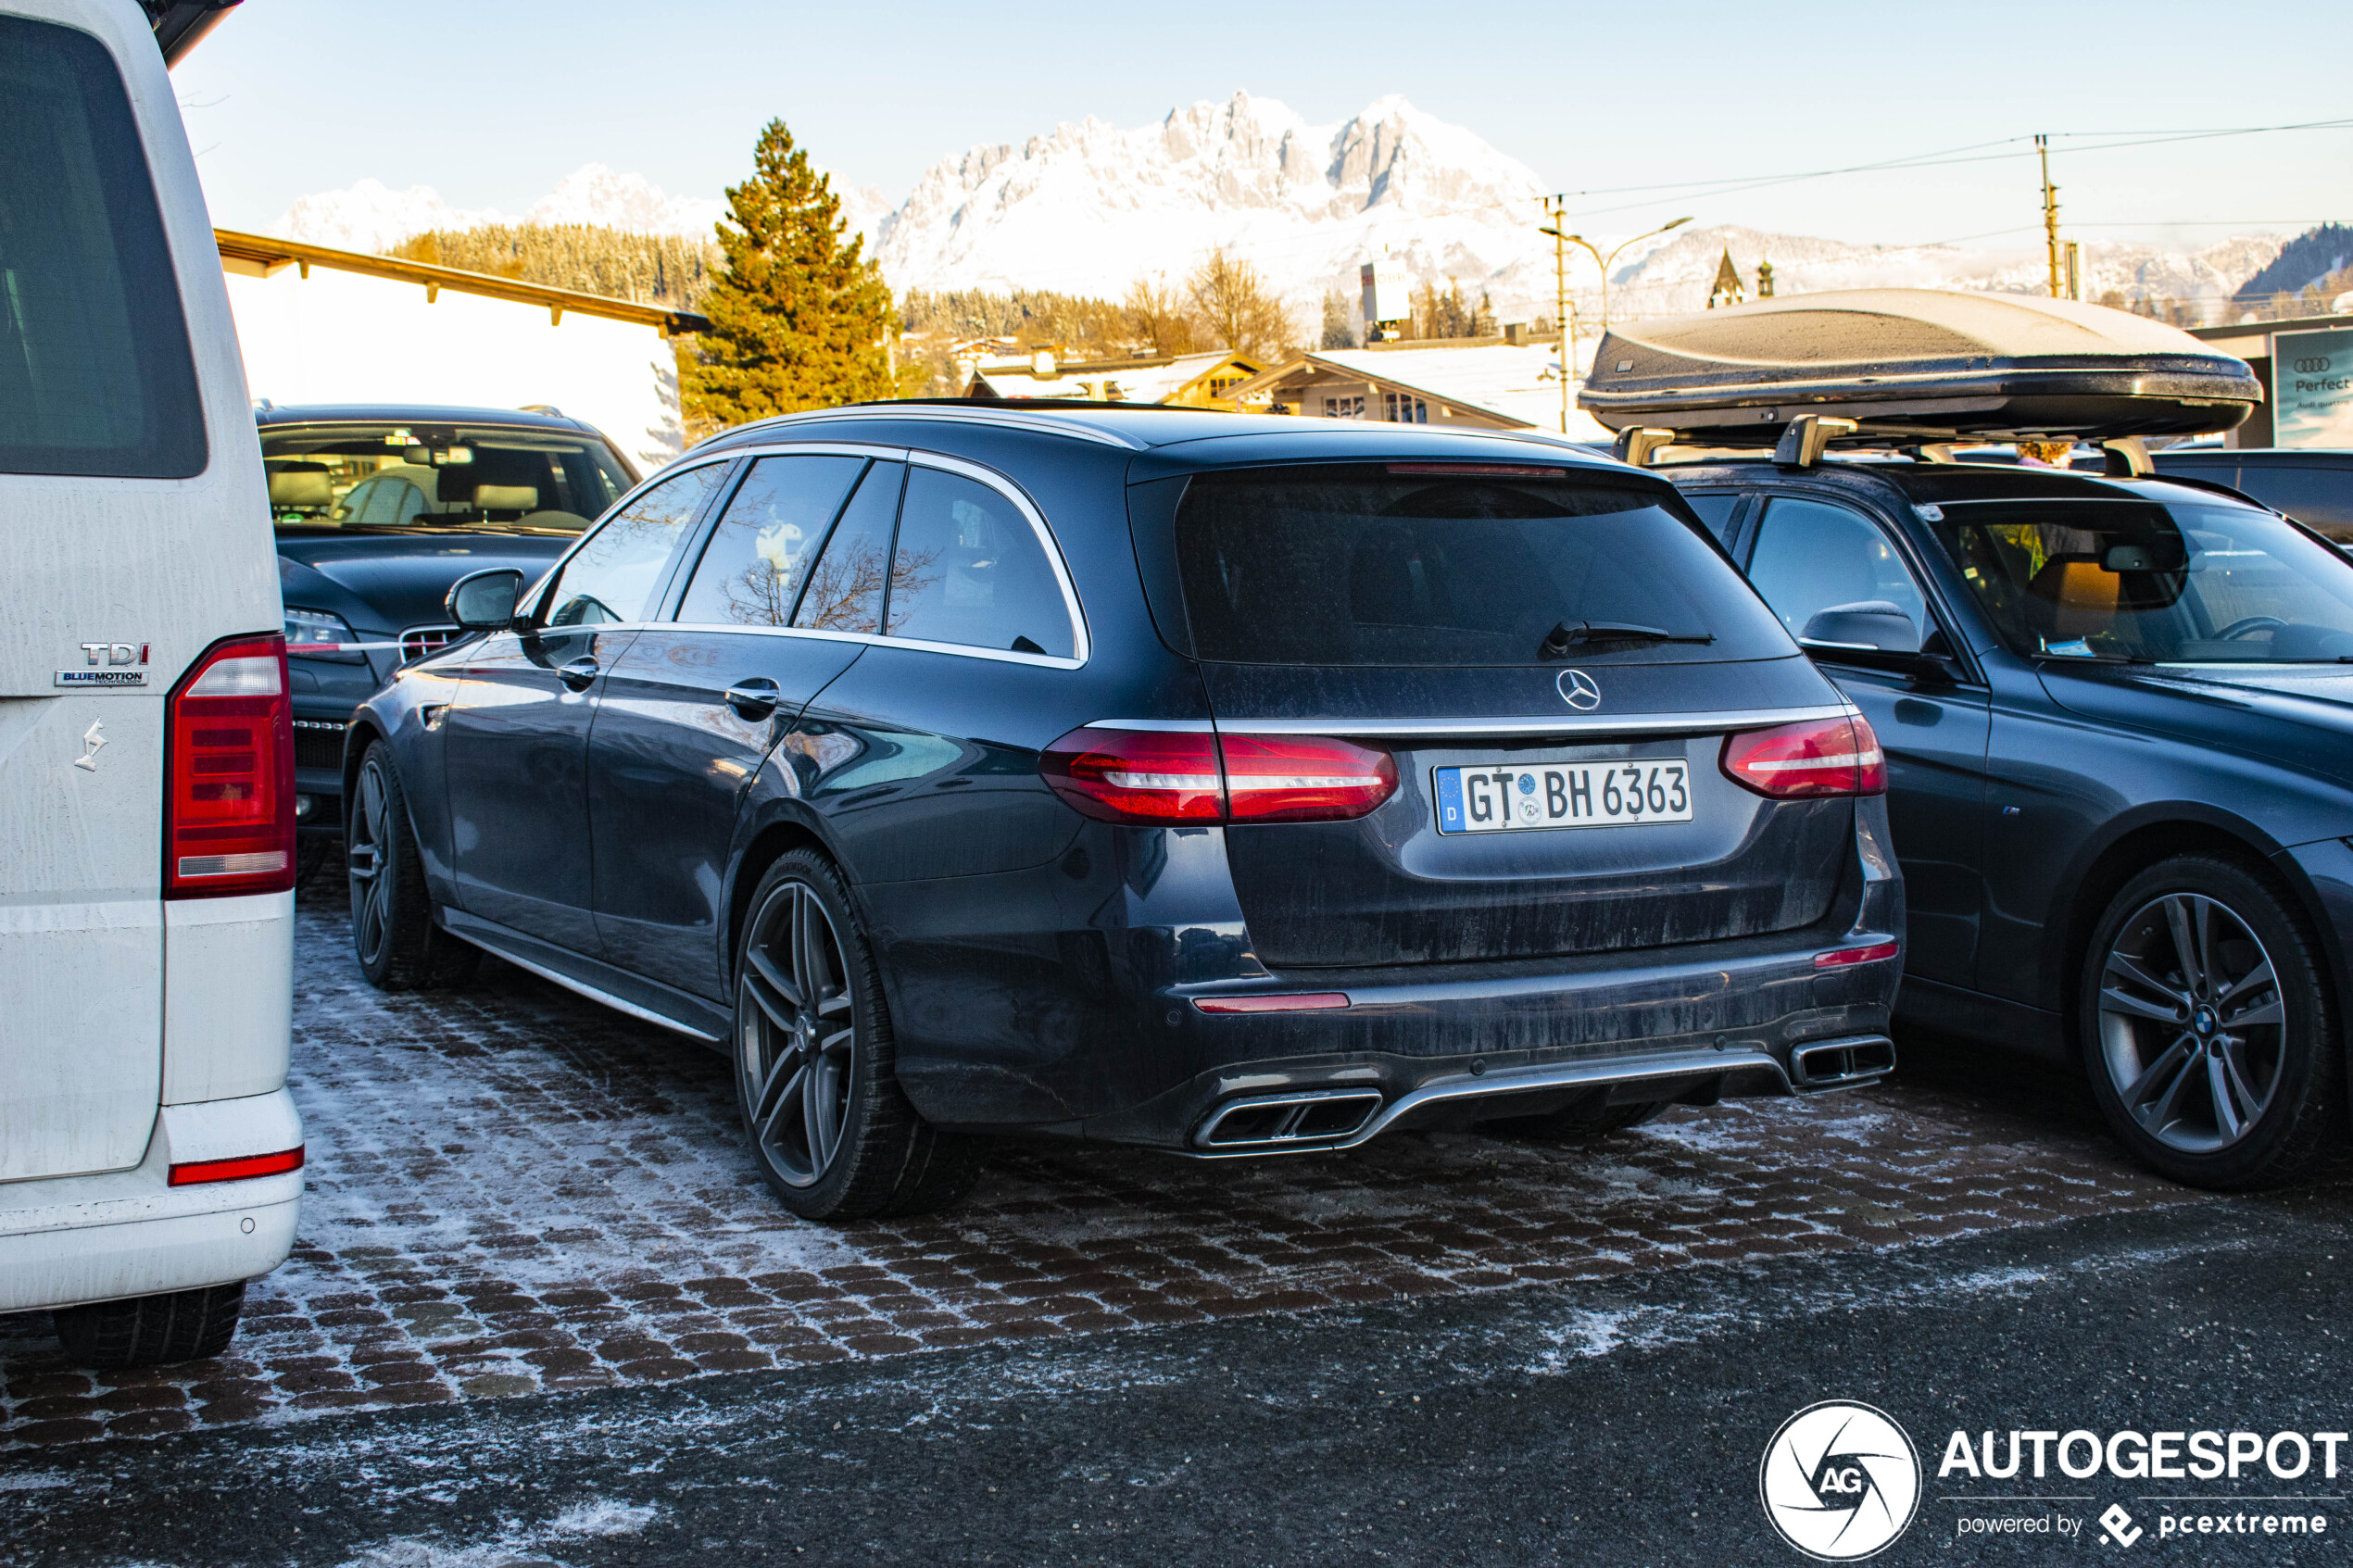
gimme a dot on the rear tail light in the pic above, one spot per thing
(229, 767)
(1303, 778)
(1820, 757)
(1153, 776)
(1137, 775)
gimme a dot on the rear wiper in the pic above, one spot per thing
(1565, 637)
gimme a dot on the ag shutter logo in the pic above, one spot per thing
(1840, 1481)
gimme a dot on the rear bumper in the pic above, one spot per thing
(107, 1238)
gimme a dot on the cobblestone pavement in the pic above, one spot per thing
(512, 1190)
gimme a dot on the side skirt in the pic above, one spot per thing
(616, 988)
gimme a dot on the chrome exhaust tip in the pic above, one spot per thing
(1294, 1120)
(1842, 1064)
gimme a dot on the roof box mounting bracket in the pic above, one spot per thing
(1806, 437)
(1638, 443)
(2128, 458)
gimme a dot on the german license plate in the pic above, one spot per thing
(1504, 795)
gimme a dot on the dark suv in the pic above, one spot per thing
(1227, 785)
(2119, 723)
(378, 509)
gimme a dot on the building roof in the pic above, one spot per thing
(1518, 384)
(258, 256)
(1154, 380)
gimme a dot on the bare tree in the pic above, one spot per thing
(1238, 308)
(1159, 318)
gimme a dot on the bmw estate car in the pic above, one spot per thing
(1229, 785)
(378, 509)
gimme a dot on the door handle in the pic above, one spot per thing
(755, 698)
(580, 674)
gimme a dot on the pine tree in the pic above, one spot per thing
(798, 318)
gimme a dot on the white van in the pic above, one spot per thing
(150, 1157)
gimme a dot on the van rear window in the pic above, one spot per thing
(1453, 565)
(95, 376)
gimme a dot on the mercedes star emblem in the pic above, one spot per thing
(1578, 691)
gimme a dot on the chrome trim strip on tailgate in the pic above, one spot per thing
(1568, 723)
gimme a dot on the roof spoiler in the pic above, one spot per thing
(181, 25)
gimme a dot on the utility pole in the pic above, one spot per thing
(1559, 215)
(2050, 218)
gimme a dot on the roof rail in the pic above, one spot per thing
(1806, 437)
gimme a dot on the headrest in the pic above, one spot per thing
(506, 497)
(300, 484)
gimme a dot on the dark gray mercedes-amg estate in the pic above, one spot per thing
(1225, 784)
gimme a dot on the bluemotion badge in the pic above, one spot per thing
(1840, 1481)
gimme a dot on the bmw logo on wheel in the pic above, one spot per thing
(1840, 1481)
(1578, 690)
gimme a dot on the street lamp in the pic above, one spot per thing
(1602, 261)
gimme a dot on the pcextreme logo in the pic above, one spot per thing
(1840, 1481)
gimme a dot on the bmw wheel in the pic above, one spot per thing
(2207, 1029)
(834, 1134)
(392, 934)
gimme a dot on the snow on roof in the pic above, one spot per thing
(1144, 380)
(1520, 383)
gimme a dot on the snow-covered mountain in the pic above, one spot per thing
(369, 216)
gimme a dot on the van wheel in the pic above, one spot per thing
(2207, 1031)
(834, 1134)
(186, 1325)
(392, 934)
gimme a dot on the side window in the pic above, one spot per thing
(759, 554)
(845, 592)
(95, 376)
(617, 571)
(1716, 510)
(969, 569)
(1811, 557)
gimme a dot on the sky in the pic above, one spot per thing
(492, 103)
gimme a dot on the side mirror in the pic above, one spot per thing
(1870, 625)
(484, 601)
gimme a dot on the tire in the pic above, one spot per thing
(186, 1325)
(834, 1134)
(392, 934)
(2208, 1030)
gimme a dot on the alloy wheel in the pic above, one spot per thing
(368, 855)
(2192, 1024)
(796, 1031)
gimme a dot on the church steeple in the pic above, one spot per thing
(1728, 289)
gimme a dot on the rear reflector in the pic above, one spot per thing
(1303, 1001)
(1842, 957)
(1153, 776)
(229, 773)
(240, 1169)
(1820, 757)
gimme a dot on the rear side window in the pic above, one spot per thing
(969, 569)
(2320, 498)
(845, 591)
(615, 574)
(95, 376)
(759, 554)
(1432, 565)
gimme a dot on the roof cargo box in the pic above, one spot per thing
(1916, 365)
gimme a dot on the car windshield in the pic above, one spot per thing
(509, 479)
(2174, 584)
(1437, 564)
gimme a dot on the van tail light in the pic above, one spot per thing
(229, 773)
(243, 1168)
(1820, 757)
(1155, 776)
(1137, 775)
(1304, 778)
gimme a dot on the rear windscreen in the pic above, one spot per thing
(1418, 565)
(95, 377)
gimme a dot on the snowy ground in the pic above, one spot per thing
(512, 1191)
